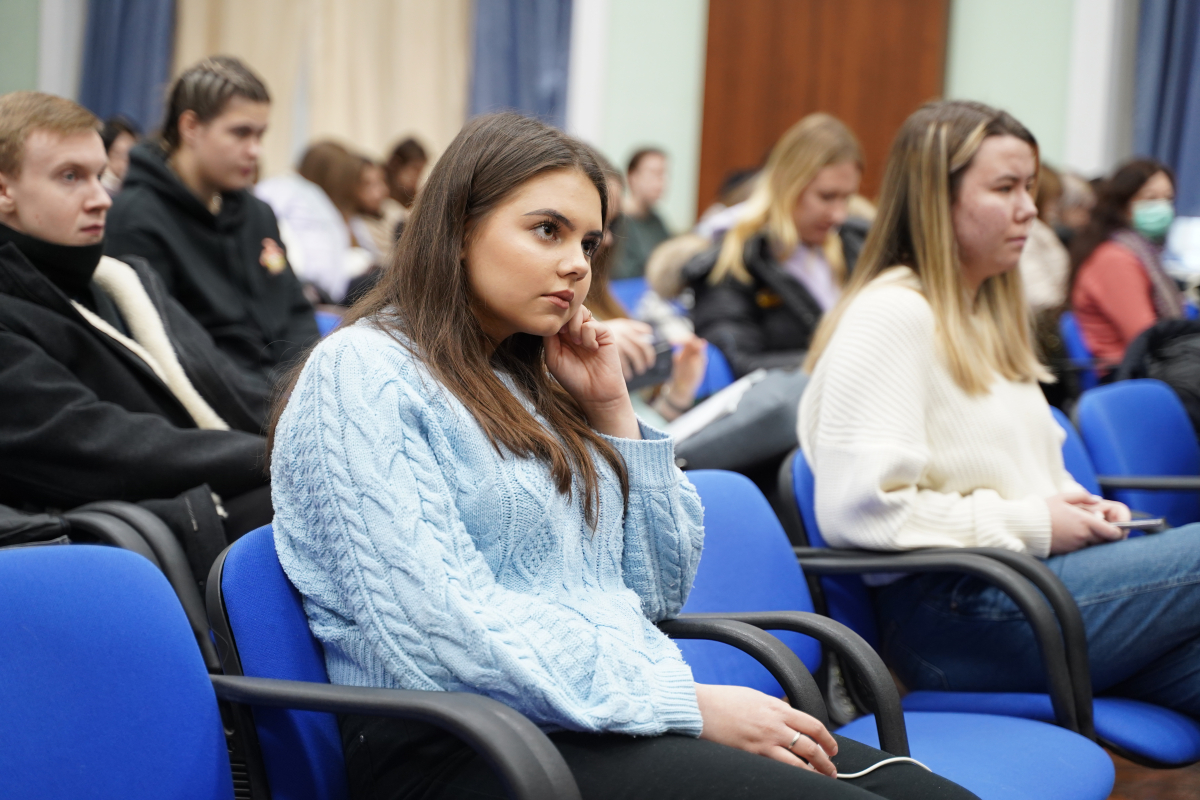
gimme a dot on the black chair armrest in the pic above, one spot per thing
(1026, 596)
(527, 761)
(110, 530)
(857, 654)
(1153, 483)
(173, 560)
(778, 659)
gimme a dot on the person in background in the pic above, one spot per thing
(1074, 207)
(187, 209)
(925, 427)
(466, 501)
(664, 276)
(110, 390)
(735, 190)
(119, 135)
(1118, 285)
(634, 338)
(641, 229)
(760, 293)
(1045, 264)
(320, 210)
(403, 170)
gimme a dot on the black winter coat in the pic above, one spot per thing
(227, 269)
(768, 322)
(82, 418)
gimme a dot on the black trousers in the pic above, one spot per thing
(390, 759)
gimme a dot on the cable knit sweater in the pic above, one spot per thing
(427, 560)
(903, 457)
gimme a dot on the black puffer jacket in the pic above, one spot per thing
(768, 322)
(226, 269)
(82, 418)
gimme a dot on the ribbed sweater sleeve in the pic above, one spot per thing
(865, 432)
(365, 497)
(663, 534)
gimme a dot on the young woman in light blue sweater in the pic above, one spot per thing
(467, 502)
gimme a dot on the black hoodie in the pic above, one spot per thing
(227, 269)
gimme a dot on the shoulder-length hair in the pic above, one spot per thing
(336, 170)
(979, 336)
(813, 143)
(424, 300)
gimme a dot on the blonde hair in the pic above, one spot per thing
(22, 113)
(813, 143)
(980, 337)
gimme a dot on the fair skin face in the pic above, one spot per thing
(992, 215)
(372, 191)
(118, 155)
(822, 207)
(1159, 187)
(58, 197)
(221, 155)
(528, 264)
(529, 267)
(647, 184)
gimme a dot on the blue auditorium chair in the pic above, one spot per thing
(1075, 455)
(327, 322)
(629, 292)
(1081, 359)
(261, 630)
(1144, 733)
(1142, 443)
(717, 374)
(104, 694)
(748, 566)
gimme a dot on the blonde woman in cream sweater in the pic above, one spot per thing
(925, 427)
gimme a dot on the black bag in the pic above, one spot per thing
(763, 427)
(1170, 352)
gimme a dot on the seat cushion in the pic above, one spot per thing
(1151, 732)
(999, 758)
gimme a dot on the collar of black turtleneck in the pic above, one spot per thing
(69, 267)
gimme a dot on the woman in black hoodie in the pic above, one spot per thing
(186, 209)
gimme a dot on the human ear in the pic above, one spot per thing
(189, 125)
(8, 203)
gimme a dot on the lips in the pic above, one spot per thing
(561, 299)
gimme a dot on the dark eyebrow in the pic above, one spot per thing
(550, 212)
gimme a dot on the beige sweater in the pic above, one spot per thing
(904, 458)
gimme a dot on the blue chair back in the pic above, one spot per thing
(103, 690)
(847, 598)
(717, 375)
(1077, 350)
(1140, 427)
(628, 292)
(748, 565)
(301, 750)
(1075, 454)
(327, 322)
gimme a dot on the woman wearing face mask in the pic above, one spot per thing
(467, 502)
(925, 427)
(762, 291)
(1118, 285)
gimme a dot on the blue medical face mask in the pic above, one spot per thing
(1152, 218)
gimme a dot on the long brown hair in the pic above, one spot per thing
(424, 301)
(1110, 214)
(980, 336)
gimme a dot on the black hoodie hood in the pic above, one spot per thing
(148, 167)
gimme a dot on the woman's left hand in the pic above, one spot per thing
(583, 357)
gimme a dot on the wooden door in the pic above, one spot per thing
(870, 63)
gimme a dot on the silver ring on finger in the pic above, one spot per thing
(795, 739)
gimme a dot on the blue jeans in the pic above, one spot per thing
(1140, 600)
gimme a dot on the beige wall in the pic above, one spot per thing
(366, 72)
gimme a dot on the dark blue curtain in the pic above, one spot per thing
(1167, 94)
(521, 54)
(127, 59)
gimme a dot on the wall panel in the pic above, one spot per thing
(770, 62)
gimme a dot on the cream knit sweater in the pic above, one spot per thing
(904, 458)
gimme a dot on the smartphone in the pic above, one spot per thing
(1154, 524)
(659, 372)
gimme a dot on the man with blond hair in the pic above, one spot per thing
(109, 389)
